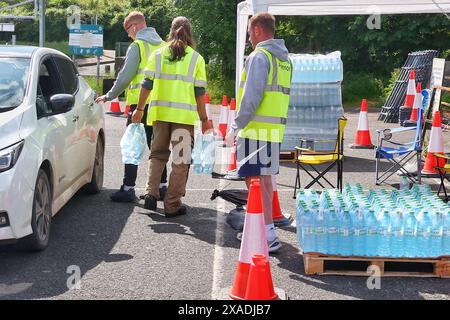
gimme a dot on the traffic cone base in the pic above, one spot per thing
(240, 281)
(114, 107)
(260, 285)
(232, 163)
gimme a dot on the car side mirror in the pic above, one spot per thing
(61, 103)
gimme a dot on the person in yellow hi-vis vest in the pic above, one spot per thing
(262, 104)
(145, 41)
(176, 82)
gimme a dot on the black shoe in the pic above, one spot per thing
(150, 202)
(162, 193)
(181, 211)
(123, 196)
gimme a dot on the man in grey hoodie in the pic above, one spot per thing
(145, 41)
(262, 109)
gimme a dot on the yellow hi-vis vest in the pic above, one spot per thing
(270, 118)
(173, 97)
(134, 88)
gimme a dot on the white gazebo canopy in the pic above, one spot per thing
(325, 7)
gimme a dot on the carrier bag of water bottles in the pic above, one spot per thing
(133, 144)
(204, 153)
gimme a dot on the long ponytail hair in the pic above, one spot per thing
(180, 37)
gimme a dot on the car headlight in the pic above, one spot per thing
(10, 155)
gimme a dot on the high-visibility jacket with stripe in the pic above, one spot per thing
(134, 88)
(270, 118)
(172, 97)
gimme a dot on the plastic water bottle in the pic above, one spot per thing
(320, 231)
(308, 240)
(371, 239)
(404, 184)
(397, 234)
(409, 235)
(208, 153)
(436, 235)
(133, 144)
(345, 234)
(423, 234)
(359, 233)
(332, 222)
(446, 233)
(384, 234)
(197, 153)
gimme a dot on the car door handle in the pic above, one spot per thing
(75, 118)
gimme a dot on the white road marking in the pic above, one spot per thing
(218, 247)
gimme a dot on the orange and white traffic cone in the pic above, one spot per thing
(223, 119)
(127, 110)
(231, 113)
(362, 140)
(208, 110)
(279, 220)
(411, 91)
(436, 145)
(232, 163)
(417, 103)
(114, 107)
(253, 242)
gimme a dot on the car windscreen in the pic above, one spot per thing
(13, 81)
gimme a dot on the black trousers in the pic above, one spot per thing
(131, 170)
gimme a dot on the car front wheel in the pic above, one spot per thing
(41, 216)
(97, 174)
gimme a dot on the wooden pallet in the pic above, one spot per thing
(316, 263)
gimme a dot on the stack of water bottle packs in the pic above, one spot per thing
(315, 99)
(409, 223)
(204, 153)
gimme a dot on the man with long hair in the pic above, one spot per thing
(176, 83)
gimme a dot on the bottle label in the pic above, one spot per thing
(320, 230)
(409, 233)
(372, 231)
(308, 230)
(344, 232)
(436, 233)
(332, 230)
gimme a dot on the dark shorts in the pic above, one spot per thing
(257, 158)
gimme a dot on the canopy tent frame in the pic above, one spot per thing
(325, 7)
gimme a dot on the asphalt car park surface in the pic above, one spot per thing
(126, 252)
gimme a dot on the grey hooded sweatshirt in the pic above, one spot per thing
(257, 68)
(132, 61)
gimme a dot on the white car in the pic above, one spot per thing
(51, 141)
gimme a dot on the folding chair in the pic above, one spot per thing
(400, 153)
(307, 157)
(443, 173)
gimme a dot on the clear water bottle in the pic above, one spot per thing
(197, 153)
(208, 153)
(404, 184)
(436, 235)
(320, 231)
(359, 233)
(345, 234)
(397, 244)
(308, 232)
(384, 234)
(372, 230)
(446, 233)
(409, 235)
(332, 222)
(423, 234)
